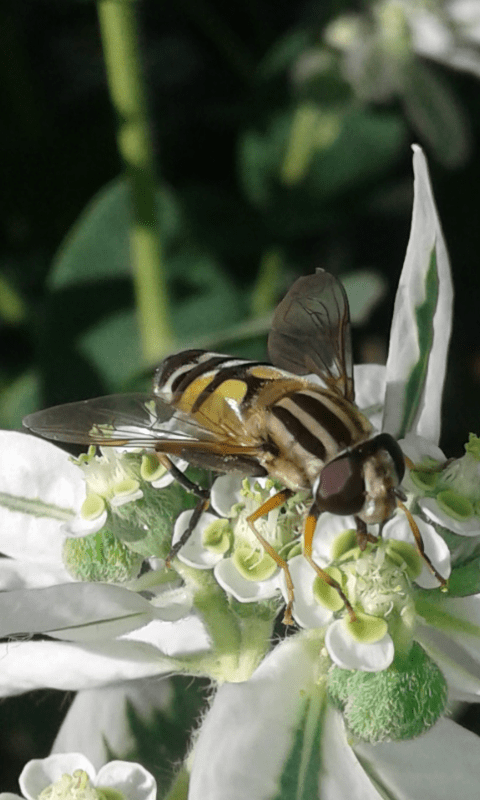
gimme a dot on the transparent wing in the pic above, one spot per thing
(311, 332)
(126, 420)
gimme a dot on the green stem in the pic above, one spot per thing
(118, 26)
(222, 625)
(265, 291)
(179, 788)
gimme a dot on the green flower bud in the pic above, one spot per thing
(100, 557)
(146, 526)
(398, 703)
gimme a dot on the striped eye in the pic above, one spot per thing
(340, 487)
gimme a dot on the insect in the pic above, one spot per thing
(294, 420)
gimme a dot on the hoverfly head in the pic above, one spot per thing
(362, 480)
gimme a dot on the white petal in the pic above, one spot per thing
(78, 526)
(174, 604)
(442, 764)
(398, 528)
(370, 391)
(33, 468)
(41, 772)
(461, 671)
(69, 666)
(342, 775)
(347, 653)
(249, 731)
(226, 491)
(417, 448)
(430, 35)
(328, 527)
(469, 527)
(59, 610)
(98, 721)
(132, 780)
(241, 588)
(29, 575)
(180, 638)
(306, 611)
(193, 552)
(423, 416)
(463, 609)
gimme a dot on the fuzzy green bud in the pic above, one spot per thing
(146, 525)
(100, 557)
(398, 703)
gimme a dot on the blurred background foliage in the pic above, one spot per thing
(279, 135)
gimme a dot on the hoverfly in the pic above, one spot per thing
(294, 420)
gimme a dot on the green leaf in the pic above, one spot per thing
(359, 147)
(113, 346)
(97, 246)
(365, 289)
(285, 51)
(465, 580)
(19, 398)
(436, 114)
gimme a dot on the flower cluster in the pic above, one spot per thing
(370, 659)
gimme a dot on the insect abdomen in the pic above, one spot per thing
(214, 388)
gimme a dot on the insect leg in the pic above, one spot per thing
(310, 525)
(274, 502)
(182, 479)
(202, 505)
(363, 536)
(419, 542)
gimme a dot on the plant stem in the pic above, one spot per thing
(119, 31)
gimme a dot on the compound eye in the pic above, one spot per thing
(340, 487)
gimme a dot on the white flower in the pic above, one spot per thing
(100, 632)
(71, 776)
(278, 730)
(229, 546)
